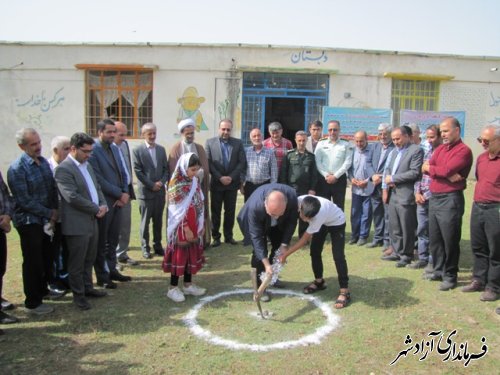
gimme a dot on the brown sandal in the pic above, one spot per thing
(343, 302)
(314, 287)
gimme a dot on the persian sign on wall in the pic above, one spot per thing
(354, 119)
(425, 118)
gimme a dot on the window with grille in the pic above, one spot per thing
(123, 95)
(415, 95)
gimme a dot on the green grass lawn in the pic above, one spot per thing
(137, 330)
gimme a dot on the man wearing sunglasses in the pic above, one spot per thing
(485, 218)
(333, 159)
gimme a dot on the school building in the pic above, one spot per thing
(62, 88)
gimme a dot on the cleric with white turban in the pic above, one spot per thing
(184, 124)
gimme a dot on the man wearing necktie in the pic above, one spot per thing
(111, 175)
(124, 239)
(227, 162)
(402, 170)
(151, 170)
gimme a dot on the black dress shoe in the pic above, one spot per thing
(147, 255)
(128, 261)
(431, 277)
(374, 244)
(402, 263)
(107, 285)
(117, 276)
(95, 293)
(82, 303)
(392, 257)
(231, 241)
(6, 305)
(7, 319)
(352, 241)
(159, 252)
(216, 242)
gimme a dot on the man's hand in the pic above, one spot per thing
(426, 167)
(362, 184)
(385, 196)
(102, 211)
(455, 178)
(124, 199)
(331, 179)
(157, 186)
(54, 215)
(5, 223)
(419, 198)
(311, 192)
(377, 179)
(225, 180)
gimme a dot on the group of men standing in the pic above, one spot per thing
(413, 193)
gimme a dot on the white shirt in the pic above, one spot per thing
(86, 175)
(329, 214)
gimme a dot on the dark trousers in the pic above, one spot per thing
(82, 253)
(228, 199)
(445, 231)
(361, 216)
(380, 215)
(60, 271)
(109, 233)
(485, 244)
(334, 192)
(402, 229)
(337, 235)
(36, 248)
(3, 258)
(151, 210)
(250, 187)
(275, 235)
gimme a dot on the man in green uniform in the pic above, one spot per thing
(298, 170)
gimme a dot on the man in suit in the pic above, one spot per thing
(151, 170)
(271, 213)
(316, 133)
(187, 144)
(124, 238)
(108, 168)
(82, 203)
(227, 162)
(402, 170)
(380, 212)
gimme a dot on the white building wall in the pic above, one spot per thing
(41, 87)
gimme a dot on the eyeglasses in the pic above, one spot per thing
(483, 141)
(86, 151)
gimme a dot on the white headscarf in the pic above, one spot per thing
(179, 200)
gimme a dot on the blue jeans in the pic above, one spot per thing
(361, 216)
(423, 231)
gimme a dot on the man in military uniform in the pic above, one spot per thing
(298, 170)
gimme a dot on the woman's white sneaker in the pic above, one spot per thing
(194, 290)
(176, 295)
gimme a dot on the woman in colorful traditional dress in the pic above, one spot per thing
(184, 255)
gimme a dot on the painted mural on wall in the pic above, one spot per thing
(190, 108)
(34, 109)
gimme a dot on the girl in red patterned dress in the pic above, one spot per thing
(184, 255)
